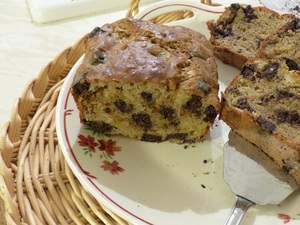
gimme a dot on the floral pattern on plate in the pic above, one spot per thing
(93, 142)
(286, 218)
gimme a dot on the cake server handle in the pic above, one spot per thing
(239, 210)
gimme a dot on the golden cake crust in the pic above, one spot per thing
(134, 58)
(157, 80)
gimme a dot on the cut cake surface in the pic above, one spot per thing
(262, 104)
(148, 81)
(284, 43)
(238, 33)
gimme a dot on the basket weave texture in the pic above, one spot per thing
(36, 184)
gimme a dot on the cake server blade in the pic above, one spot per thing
(283, 6)
(253, 177)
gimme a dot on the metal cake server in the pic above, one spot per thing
(283, 6)
(253, 177)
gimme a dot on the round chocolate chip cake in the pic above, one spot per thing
(262, 104)
(147, 81)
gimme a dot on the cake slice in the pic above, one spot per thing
(262, 104)
(149, 82)
(238, 33)
(284, 43)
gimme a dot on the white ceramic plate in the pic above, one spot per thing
(161, 184)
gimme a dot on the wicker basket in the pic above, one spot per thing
(36, 184)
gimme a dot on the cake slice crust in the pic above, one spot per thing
(238, 33)
(262, 104)
(148, 81)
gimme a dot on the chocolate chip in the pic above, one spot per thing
(281, 115)
(249, 17)
(293, 25)
(177, 136)
(269, 72)
(284, 94)
(235, 6)
(249, 70)
(151, 138)
(194, 104)
(147, 96)
(123, 106)
(142, 120)
(204, 87)
(266, 99)
(285, 116)
(294, 118)
(249, 14)
(96, 31)
(243, 104)
(100, 126)
(266, 124)
(222, 32)
(107, 110)
(210, 113)
(167, 112)
(80, 85)
(292, 65)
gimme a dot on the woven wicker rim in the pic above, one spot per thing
(36, 184)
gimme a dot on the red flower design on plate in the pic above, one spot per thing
(286, 218)
(88, 142)
(113, 167)
(109, 146)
